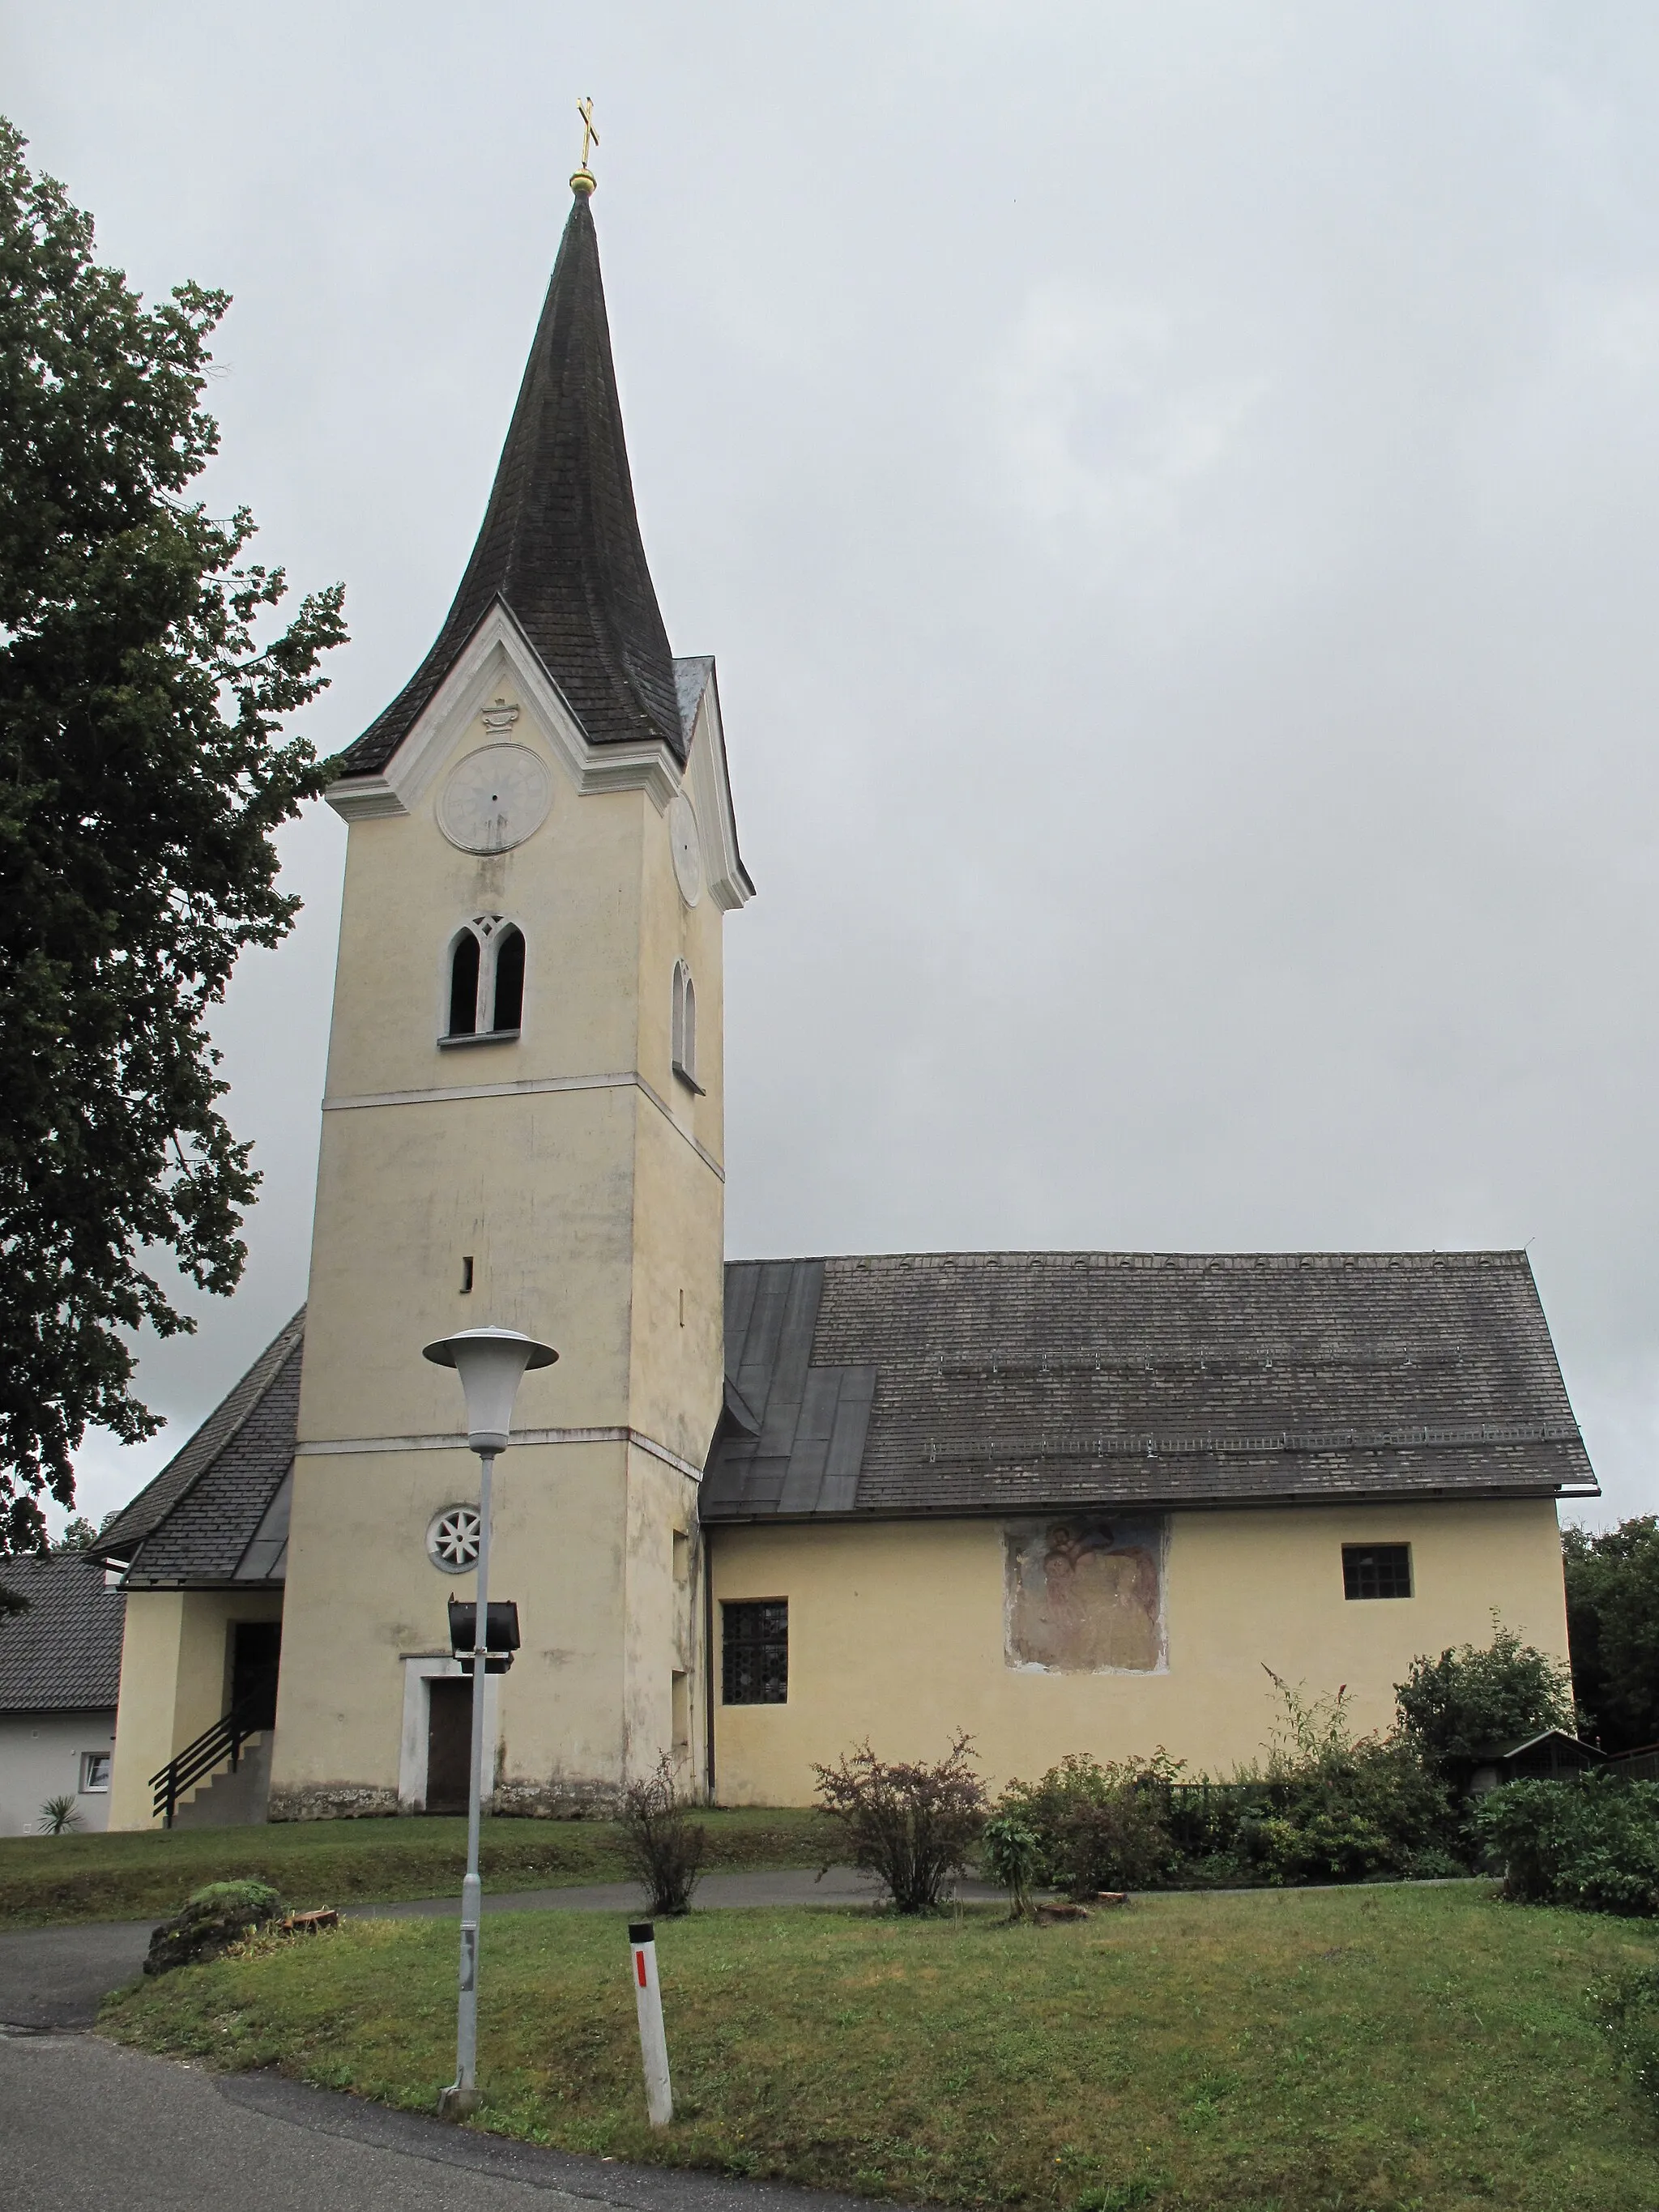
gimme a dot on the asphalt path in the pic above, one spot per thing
(87, 2127)
(56, 1977)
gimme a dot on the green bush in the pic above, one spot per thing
(1329, 1807)
(1097, 1827)
(1628, 2002)
(1011, 1853)
(913, 1823)
(1591, 1843)
(1456, 1707)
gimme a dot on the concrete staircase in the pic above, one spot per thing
(232, 1799)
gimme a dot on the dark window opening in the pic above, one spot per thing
(467, 1273)
(509, 981)
(1377, 1571)
(755, 1653)
(463, 985)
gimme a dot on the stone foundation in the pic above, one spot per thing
(332, 1801)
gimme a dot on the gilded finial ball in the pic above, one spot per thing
(584, 184)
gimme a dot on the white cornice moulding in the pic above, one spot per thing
(343, 1447)
(499, 653)
(443, 1094)
(710, 788)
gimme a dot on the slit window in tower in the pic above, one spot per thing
(463, 985)
(509, 981)
(683, 1056)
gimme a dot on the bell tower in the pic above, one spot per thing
(523, 1125)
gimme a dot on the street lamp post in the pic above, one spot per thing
(490, 1363)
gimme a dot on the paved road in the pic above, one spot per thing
(87, 2127)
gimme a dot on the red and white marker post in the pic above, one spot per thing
(654, 2043)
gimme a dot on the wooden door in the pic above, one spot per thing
(448, 1743)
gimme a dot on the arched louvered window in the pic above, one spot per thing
(464, 985)
(509, 980)
(684, 1030)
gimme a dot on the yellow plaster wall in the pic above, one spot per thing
(897, 1632)
(175, 1662)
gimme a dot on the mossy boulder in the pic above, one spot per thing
(213, 1919)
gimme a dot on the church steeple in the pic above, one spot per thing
(560, 546)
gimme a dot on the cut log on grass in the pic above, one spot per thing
(1046, 1915)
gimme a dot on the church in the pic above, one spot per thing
(757, 1511)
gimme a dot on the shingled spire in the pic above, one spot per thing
(560, 545)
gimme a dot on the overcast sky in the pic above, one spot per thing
(1175, 495)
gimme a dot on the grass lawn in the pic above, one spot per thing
(1430, 2049)
(133, 1877)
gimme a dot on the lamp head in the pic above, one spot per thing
(489, 1362)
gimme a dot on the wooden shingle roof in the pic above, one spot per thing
(966, 1382)
(198, 1522)
(949, 1383)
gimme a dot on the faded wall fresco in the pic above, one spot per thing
(1084, 1593)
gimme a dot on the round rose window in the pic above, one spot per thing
(452, 1540)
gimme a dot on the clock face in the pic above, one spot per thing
(688, 851)
(494, 799)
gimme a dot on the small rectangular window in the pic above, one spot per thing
(94, 1771)
(1377, 1571)
(755, 1653)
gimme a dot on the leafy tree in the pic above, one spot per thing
(1612, 1627)
(1454, 1707)
(77, 1536)
(142, 775)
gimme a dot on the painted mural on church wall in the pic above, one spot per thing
(1085, 1594)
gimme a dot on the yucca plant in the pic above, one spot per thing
(59, 1815)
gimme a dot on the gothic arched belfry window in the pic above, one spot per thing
(484, 986)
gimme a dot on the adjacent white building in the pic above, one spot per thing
(60, 1669)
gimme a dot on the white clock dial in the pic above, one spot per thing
(688, 850)
(494, 799)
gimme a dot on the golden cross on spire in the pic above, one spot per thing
(590, 136)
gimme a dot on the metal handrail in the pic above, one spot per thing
(250, 1716)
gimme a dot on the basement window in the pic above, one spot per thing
(755, 1653)
(1377, 1571)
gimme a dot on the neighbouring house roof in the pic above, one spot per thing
(967, 1383)
(64, 1655)
(560, 546)
(217, 1511)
